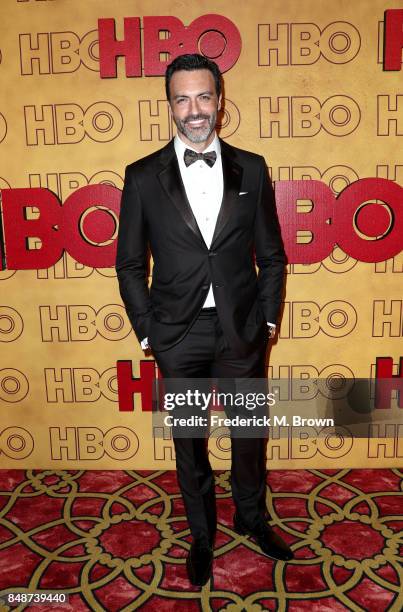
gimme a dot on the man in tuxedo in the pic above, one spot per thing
(205, 208)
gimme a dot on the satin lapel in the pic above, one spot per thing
(232, 175)
(170, 178)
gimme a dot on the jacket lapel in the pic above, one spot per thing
(171, 180)
(232, 175)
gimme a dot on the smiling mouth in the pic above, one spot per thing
(196, 120)
(196, 123)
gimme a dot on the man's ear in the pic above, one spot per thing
(219, 102)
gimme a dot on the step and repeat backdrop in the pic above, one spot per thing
(316, 88)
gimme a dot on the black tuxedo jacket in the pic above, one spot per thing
(155, 212)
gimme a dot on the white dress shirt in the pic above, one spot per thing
(204, 188)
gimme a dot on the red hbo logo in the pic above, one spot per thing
(214, 36)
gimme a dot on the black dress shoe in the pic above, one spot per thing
(270, 543)
(199, 563)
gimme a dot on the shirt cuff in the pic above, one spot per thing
(272, 325)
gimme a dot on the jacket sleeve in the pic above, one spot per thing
(131, 257)
(269, 249)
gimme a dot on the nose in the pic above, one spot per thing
(194, 107)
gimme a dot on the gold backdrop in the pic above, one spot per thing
(308, 92)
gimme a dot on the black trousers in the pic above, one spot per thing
(204, 353)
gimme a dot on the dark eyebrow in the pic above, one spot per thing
(202, 93)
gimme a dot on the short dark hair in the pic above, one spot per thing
(193, 61)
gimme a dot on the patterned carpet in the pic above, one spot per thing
(117, 540)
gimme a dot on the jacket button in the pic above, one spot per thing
(205, 287)
(212, 254)
(218, 286)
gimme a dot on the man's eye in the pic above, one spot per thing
(206, 98)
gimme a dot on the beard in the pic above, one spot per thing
(196, 135)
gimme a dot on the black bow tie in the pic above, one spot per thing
(191, 156)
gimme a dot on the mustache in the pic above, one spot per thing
(196, 118)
